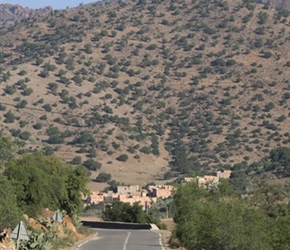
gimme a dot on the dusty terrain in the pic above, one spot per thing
(187, 87)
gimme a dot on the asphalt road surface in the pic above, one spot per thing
(112, 239)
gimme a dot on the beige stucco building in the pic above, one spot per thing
(209, 179)
(132, 194)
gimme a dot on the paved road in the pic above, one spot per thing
(111, 239)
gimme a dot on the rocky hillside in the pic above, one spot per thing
(11, 13)
(141, 88)
(279, 4)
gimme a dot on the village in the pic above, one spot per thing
(146, 197)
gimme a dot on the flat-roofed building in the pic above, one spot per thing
(130, 189)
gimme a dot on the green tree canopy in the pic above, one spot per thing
(121, 211)
(124, 212)
(279, 161)
(8, 149)
(210, 220)
(10, 213)
(46, 182)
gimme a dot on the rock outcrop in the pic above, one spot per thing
(9, 13)
(6, 243)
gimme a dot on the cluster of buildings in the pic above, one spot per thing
(131, 194)
(146, 197)
(209, 180)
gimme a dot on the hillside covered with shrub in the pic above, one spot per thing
(146, 88)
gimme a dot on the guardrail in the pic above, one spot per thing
(116, 225)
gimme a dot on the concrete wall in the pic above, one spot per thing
(116, 225)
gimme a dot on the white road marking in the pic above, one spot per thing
(80, 245)
(126, 241)
(160, 242)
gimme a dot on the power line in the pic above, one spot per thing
(65, 114)
(30, 108)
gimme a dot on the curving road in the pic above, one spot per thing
(112, 239)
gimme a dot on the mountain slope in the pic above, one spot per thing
(12, 12)
(147, 86)
(279, 4)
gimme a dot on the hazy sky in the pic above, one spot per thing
(56, 4)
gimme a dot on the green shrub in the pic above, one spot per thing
(122, 157)
(103, 177)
